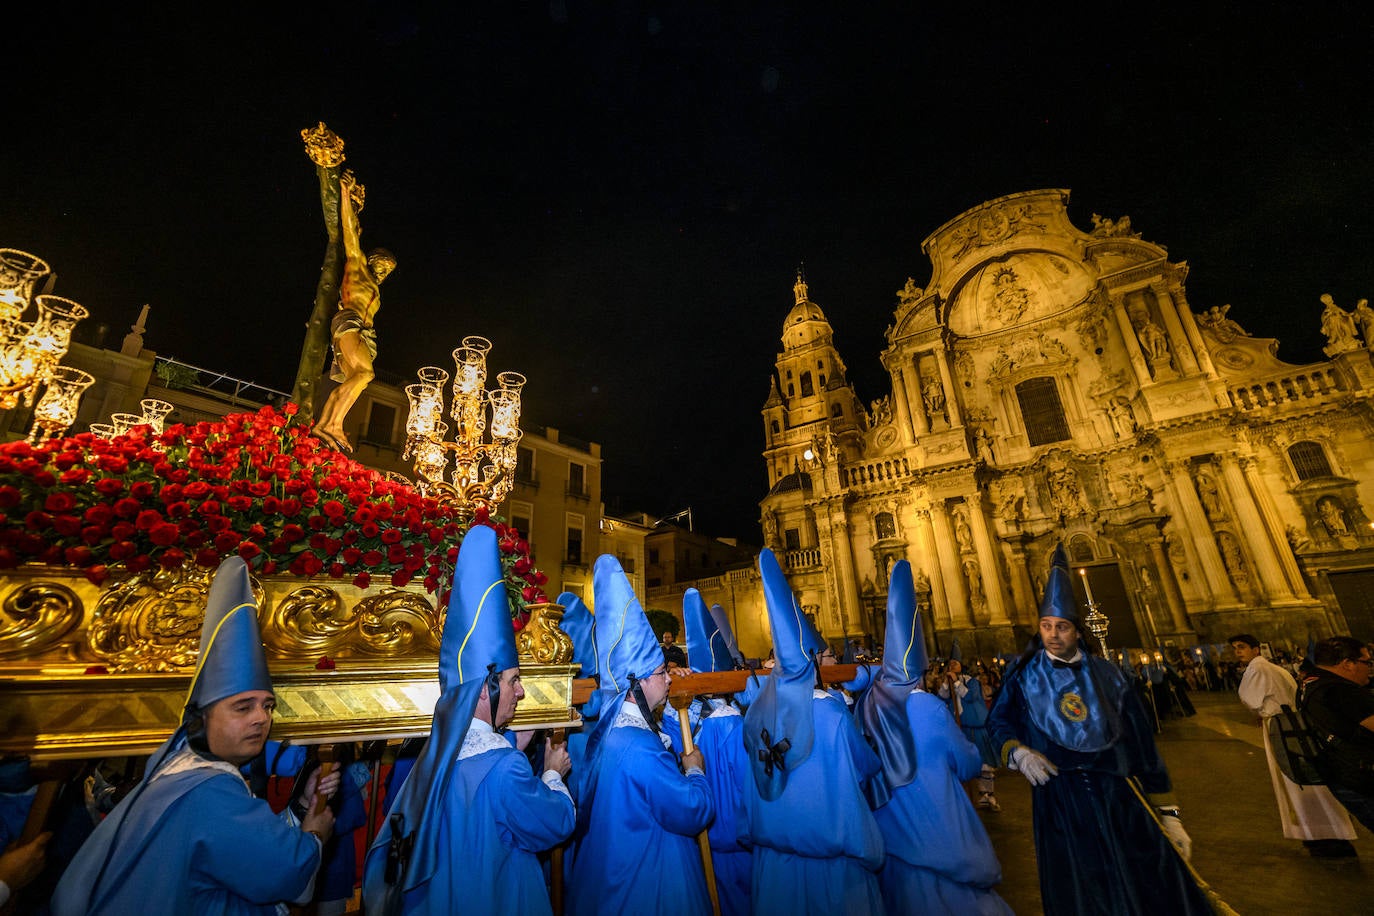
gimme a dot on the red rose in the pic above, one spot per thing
(164, 534)
(257, 531)
(240, 503)
(540, 578)
(78, 556)
(97, 574)
(259, 488)
(396, 553)
(178, 510)
(226, 541)
(336, 570)
(147, 519)
(362, 580)
(209, 507)
(289, 408)
(271, 505)
(207, 556)
(142, 489)
(9, 497)
(218, 523)
(171, 558)
(480, 515)
(401, 577)
(373, 558)
(333, 508)
(197, 489)
(99, 514)
(268, 567)
(521, 566)
(114, 464)
(391, 536)
(66, 525)
(122, 531)
(529, 593)
(291, 507)
(126, 507)
(138, 563)
(351, 555)
(75, 476)
(92, 535)
(37, 521)
(317, 522)
(370, 529)
(248, 550)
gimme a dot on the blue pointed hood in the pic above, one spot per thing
(725, 635)
(624, 638)
(779, 727)
(1059, 600)
(881, 712)
(232, 658)
(580, 626)
(706, 648)
(477, 633)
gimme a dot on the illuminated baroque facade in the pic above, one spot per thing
(1053, 384)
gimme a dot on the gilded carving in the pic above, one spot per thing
(315, 620)
(36, 616)
(542, 640)
(151, 622)
(993, 225)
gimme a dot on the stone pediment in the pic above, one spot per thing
(1031, 219)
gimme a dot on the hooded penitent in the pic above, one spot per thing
(707, 649)
(580, 626)
(478, 644)
(779, 727)
(231, 661)
(725, 634)
(881, 711)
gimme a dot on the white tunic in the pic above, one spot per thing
(1306, 812)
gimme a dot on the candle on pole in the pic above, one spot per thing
(1087, 586)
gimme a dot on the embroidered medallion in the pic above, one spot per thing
(1072, 707)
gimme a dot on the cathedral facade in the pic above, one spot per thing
(1052, 384)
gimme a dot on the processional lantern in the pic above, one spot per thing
(1096, 621)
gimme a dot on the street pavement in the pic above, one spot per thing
(1216, 759)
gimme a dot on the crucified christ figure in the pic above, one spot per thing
(352, 333)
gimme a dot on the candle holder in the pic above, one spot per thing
(56, 410)
(1097, 622)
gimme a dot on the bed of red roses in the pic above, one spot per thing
(255, 484)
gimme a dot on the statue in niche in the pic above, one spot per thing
(1223, 328)
(1333, 516)
(770, 527)
(963, 366)
(974, 574)
(1232, 557)
(1123, 419)
(1296, 539)
(1210, 495)
(1339, 327)
(1008, 498)
(908, 295)
(1364, 319)
(1152, 339)
(922, 582)
(963, 533)
(933, 393)
(1065, 492)
(983, 443)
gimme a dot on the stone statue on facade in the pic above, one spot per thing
(1066, 493)
(1008, 496)
(974, 574)
(882, 411)
(1210, 494)
(1297, 540)
(1152, 339)
(1364, 319)
(933, 394)
(922, 582)
(983, 443)
(963, 532)
(770, 527)
(1232, 557)
(1123, 419)
(1333, 516)
(1223, 329)
(1105, 228)
(1339, 327)
(909, 294)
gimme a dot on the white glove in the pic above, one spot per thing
(1173, 829)
(1033, 765)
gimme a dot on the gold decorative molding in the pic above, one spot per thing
(324, 147)
(36, 615)
(315, 620)
(541, 640)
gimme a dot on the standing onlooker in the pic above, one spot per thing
(1308, 813)
(1336, 703)
(968, 703)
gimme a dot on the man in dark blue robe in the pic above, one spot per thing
(1108, 839)
(639, 814)
(817, 848)
(191, 838)
(472, 811)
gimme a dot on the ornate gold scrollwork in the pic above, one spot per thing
(315, 620)
(151, 621)
(37, 615)
(541, 640)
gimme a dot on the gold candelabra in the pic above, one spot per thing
(1096, 621)
(154, 416)
(30, 351)
(477, 466)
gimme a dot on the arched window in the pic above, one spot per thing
(837, 409)
(884, 525)
(1041, 411)
(1081, 549)
(776, 428)
(807, 390)
(1309, 460)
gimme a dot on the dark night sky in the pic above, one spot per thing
(618, 194)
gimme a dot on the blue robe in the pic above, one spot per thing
(1097, 844)
(721, 741)
(638, 851)
(939, 857)
(817, 847)
(194, 841)
(497, 817)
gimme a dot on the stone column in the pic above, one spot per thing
(1252, 526)
(946, 548)
(1023, 596)
(987, 559)
(845, 584)
(952, 408)
(1195, 526)
(1138, 362)
(901, 407)
(1273, 528)
(929, 563)
(1168, 583)
(1185, 315)
(1183, 352)
(911, 375)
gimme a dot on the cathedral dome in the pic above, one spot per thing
(806, 323)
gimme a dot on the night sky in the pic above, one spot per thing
(618, 194)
